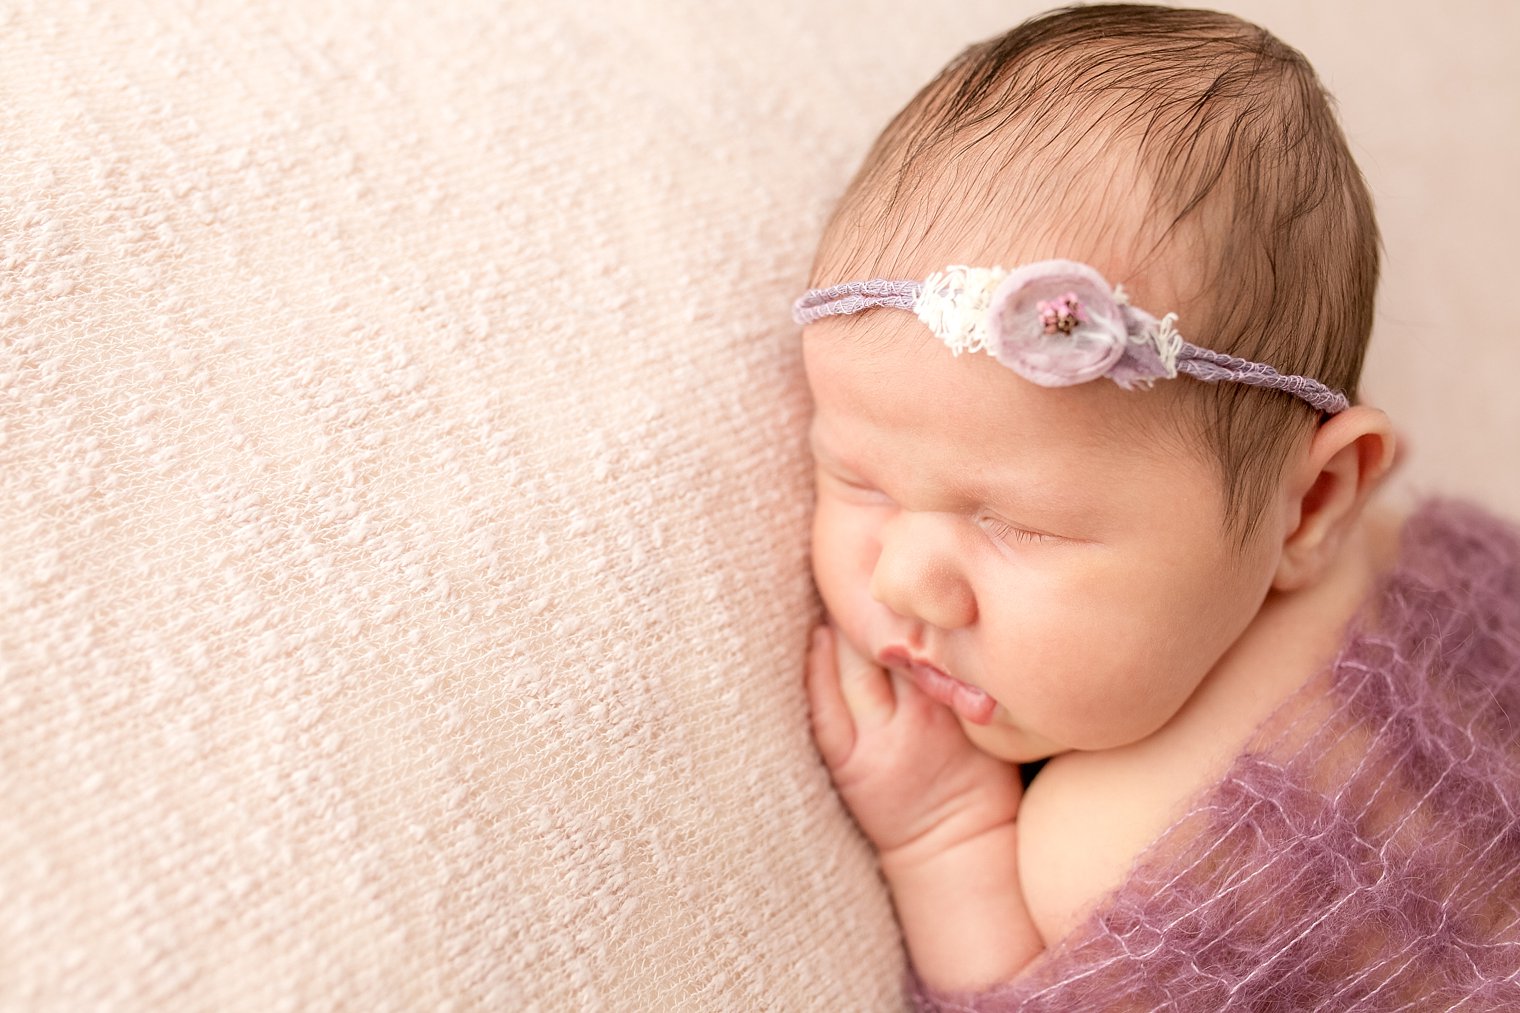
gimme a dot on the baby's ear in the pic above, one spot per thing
(1327, 486)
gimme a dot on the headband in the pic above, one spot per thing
(1056, 323)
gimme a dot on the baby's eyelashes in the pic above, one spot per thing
(1008, 533)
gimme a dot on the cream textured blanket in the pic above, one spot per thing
(403, 501)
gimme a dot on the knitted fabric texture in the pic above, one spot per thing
(404, 501)
(1363, 853)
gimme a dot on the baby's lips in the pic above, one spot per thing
(967, 701)
(974, 704)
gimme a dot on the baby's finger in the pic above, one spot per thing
(866, 687)
(833, 728)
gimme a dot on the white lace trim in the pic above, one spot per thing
(954, 305)
(1167, 341)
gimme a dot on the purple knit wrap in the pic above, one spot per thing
(1363, 853)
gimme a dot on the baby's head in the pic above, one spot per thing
(1086, 553)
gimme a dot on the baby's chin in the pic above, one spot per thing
(1010, 744)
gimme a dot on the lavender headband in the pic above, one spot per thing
(1056, 323)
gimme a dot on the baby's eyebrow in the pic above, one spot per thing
(824, 453)
(832, 461)
(816, 443)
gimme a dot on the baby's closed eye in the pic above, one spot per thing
(1002, 531)
(851, 485)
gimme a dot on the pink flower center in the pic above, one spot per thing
(1062, 314)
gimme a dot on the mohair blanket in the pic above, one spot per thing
(1363, 852)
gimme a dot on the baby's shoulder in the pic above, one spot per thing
(1087, 816)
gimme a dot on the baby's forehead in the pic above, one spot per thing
(886, 368)
(941, 433)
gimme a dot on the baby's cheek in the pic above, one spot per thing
(1110, 686)
(844, 552)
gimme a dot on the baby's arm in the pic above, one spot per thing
(940, 813)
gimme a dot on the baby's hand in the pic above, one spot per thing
(914, 782)
(939, 811)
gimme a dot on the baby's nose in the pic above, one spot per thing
(919, 577)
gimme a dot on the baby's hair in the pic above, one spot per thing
(1226, 136)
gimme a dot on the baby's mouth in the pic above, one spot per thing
(968, 702)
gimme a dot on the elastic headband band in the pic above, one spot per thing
(1056, 323)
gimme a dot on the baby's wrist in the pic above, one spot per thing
(982, 829)
(950, 852)
(961, 908)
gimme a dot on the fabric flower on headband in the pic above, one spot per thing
(1055, 323)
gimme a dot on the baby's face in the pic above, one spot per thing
(1017, 539)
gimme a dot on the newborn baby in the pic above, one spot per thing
(1093, 482)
